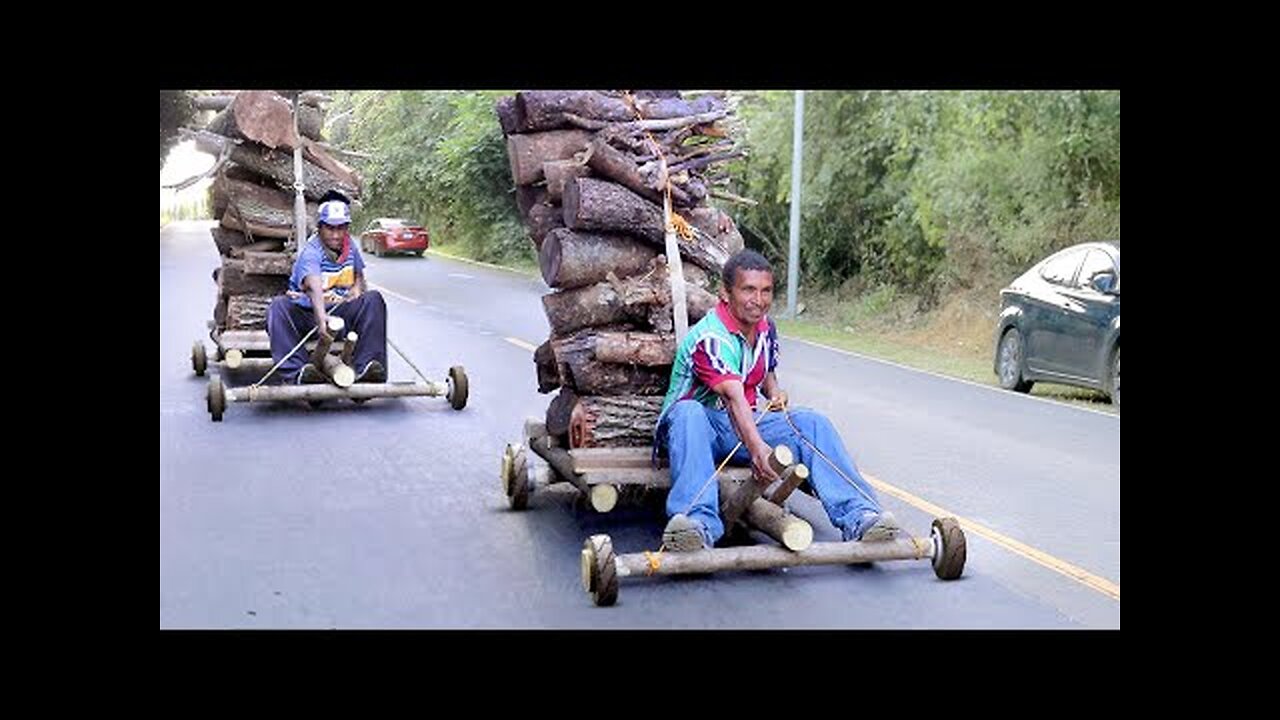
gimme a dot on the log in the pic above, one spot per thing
(614, 421)
(788, 484)
(597, 378)
(592, 204)
(234, 280)
(527, 196)
(793, 532)
(558, 458)
(310, 121)
(259, 207)
(349, 347)
(543, 219)
(548, 373)
(229, 242)
(257, 230)
(560, 412)
(274, 165)
(613, 164)
(570, 259)
(662, 108)
(736, 495)
(314, 98)
(343, 375)
(765, 557)
(247, 312)
(640, 299)
(546, 109)
(268, 263)
(258, 115)
(557, 172)
(270, 245)
(213, 102)
(527, 153)
(508, 114)
(320, 157)
(634, 348)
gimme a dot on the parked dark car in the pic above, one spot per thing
(1060, 322)
(394, 235)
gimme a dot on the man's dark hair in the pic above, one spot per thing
(744, 259)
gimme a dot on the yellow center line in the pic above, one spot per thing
(1080, 575)
(521, 344)
(393, 293)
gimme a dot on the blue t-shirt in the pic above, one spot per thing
(336, 277)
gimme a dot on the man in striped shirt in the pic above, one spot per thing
(722, 368)
(328, 278)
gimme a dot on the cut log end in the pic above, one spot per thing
(604, 497)
(797, 536)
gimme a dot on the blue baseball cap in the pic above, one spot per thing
(334, 212)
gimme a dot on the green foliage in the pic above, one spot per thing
(176, 110)
(439, 158)
(928, 191)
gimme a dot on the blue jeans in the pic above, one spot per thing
(288, 321)
(697, 438)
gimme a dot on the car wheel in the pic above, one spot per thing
(1115, 380)
(1011, 359)
(377, 250)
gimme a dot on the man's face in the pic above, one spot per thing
(331, 236)
(750, 297)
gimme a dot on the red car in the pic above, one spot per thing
(394, 235)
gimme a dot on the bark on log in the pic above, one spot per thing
(275, 165)
(234, 280)
(614, 421)
(258, 115)
(571, 259)
(640, 299)
(545, 109)
(259, 206)
(597, 378)
(508, 114)
(664, 108)
(268, 263)
(543, 219)
(247, 312)
(613, 164)
(270, 245)
(527, 153)
(548, 373)
(346, 177)
(736, 496)
(527, 196)
(557, 172)
(560, 412)
(213, 102)
(310, 121)
(631, 348)
(229, 242)
(591, 204)
(793, 532)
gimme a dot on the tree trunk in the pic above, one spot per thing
(247, 312)
(571, 259)
(527, 153)
(261, 207)
(597, 378)
(545, 109)
(591, 204)
(613, 164)
(274, 165)
(616, 421)
(258, 115)
(544, 359)
(560, 413)
(664, 108)
(543, 218)
(639, 299)
(228, 241)
(234, 280)
(213, 102)
(527, 196)
(557, 172)
(268, 263)
(631, 348)
(270, 245)
(346, 177)
(508, 114)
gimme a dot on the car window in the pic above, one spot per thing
(1062, 269)
(390, 224)
(1096, 263)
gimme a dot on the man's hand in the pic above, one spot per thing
(778, 401)
(760, 467)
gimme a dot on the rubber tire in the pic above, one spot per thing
(1017, 384)
(216, 399)
(604, 572)
(458, 395)
(949, 564)
(199, 360)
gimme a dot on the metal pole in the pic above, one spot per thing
(793, 253)
(299, 201)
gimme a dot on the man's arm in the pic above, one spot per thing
(744, 424)
(358, 289)
(776, 394)
(315, 290)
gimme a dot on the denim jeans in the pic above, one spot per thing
(697, 438)
(288, 321)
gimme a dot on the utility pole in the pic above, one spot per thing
(793, 254)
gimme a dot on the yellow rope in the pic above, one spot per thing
(654, 560)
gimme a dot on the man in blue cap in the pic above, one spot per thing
(328, 278)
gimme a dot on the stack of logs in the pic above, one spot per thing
(253, 137)
(588, 172)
